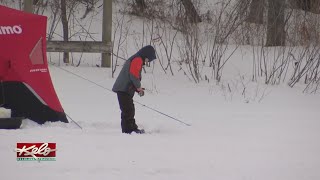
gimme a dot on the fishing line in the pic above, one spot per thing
(143, 105)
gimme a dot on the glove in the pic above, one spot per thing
(141, 93)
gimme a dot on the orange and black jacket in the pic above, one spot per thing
(129, 78)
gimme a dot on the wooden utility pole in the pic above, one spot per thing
(28, 6)
(106, 31)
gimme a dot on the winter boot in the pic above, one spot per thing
(134, 129)
(139, 131)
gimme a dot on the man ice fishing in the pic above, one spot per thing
(127, 83)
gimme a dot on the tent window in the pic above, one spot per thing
(36, 55)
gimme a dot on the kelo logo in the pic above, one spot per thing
(6, 30)
(36, 151)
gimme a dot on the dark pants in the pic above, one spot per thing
(128, 123)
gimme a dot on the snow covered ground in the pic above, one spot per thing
(274, 139)
(253, 132)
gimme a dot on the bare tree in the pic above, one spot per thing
(121, 27)
(227, 20)
(306, 65)
(306, 5)
(54, 18)
(141, 4)
(276, 23)
(300, 4)
(309, 5)
(65, 28)
(191, 52)
(256, 11)
(167, 40)
(90, 5)
(191, 12)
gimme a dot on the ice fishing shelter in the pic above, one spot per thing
(26, 87)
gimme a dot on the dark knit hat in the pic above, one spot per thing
(147, 52)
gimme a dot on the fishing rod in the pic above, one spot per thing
(143, 105)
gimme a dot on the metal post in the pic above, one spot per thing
(106, 31)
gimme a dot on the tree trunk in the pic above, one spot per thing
(306, 5)
(28, 6)
(315, 6)
(65, 28)
(293, 4)
(191, 12)
(276, 23)
(256, 12)
(300, 4)
(141, 6)
(35, 2)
